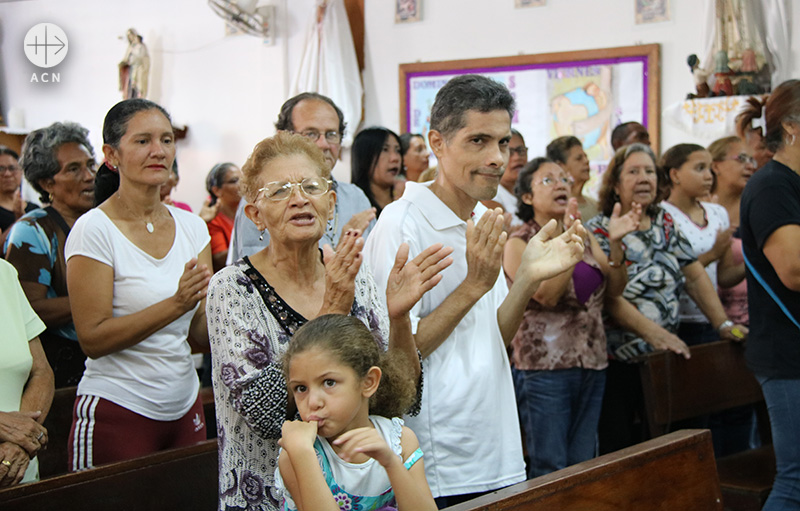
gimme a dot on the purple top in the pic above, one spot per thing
(586, 280)
(571, 333)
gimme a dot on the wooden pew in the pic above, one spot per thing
(672, 472)
(184, 478)
(675, 471)
(53, 460)
(716, 378)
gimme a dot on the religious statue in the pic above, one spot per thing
(134, 70)
(722, 73)
(700, 78)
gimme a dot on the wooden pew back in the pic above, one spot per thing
(53, 460)
(184, 478)
(716, 378)
(675, 471)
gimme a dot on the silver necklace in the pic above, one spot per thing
(148, 224)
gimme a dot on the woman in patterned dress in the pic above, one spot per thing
(59, 162)
(256, 305)
(660, 263)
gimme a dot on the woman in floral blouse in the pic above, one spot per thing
(255, 306)
(559, 352)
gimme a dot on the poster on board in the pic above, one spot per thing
(585, 94)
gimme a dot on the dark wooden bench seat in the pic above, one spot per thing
(716, 378)
(673, 472)
(184, 478)
(748, 478)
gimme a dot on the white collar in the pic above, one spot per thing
(438, 214)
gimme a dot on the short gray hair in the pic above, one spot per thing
(39, 159)
(464, 93)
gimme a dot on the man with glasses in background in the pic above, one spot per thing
(505, 197)
(319, 119)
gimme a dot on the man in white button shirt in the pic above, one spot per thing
(468, 427)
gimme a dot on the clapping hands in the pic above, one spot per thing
(546, 256)
(485, 243)
(193, 285)
(408, 281)
(620, 225)
(341, 268)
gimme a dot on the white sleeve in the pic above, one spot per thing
(194, 227)
(91, 237)
(725, 219)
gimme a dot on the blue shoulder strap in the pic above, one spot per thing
(769, 291)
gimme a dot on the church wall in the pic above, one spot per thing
(455, 29)
(228, 90)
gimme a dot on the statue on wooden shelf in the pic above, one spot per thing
(134, 70)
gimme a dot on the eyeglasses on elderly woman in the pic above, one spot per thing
(277, 191)
(551, 181)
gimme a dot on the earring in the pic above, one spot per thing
(261, 237)
(50, 196)
(793, 139)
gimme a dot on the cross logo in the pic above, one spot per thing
(46, 45)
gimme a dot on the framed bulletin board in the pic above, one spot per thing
(581, 93)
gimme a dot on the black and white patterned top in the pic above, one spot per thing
(249, 328)
(654, 258)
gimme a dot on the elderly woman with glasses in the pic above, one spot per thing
(59, 162)
(733, 165)
(661, 263)
(559, 351)
(256, 305)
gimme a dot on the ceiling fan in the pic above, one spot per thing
(249, 16)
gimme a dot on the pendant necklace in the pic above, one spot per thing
(148, 224)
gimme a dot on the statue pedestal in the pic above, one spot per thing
(710, 118)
